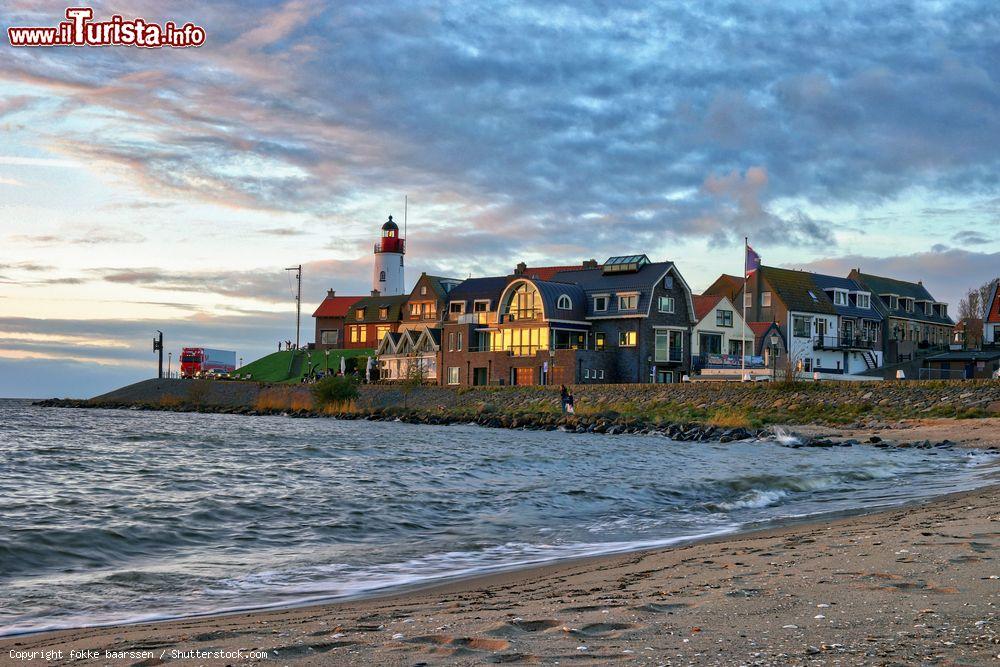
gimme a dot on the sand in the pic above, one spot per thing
(914, 585)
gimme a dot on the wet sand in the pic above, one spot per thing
(915, 585)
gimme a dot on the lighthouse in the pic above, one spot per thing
(387, 277)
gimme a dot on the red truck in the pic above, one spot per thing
(196, 361)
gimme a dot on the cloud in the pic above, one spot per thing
(971, 237)
(947, 274)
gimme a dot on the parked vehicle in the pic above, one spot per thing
(199, 361)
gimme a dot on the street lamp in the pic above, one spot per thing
(170, 358)
(774, 355)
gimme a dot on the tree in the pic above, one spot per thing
(975, 301)
(413, 379)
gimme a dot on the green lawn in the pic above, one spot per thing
(281, 367)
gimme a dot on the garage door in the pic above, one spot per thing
(524, 376)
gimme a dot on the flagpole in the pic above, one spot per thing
(743, 330)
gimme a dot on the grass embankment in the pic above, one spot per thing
(290, 366)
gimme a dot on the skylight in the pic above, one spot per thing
(625, 263)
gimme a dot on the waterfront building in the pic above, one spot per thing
(914, 323)
(409, 354)
(830, 325)
(718, 335)
(330, 317)
(991, 317)
(371, 318)
(428, 302)
(626, 320)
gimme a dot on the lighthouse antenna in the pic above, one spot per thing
(406, 202)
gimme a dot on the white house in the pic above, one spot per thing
(406, 354)
(719, 330)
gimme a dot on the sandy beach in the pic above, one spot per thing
(913, 585)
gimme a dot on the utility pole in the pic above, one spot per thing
(298, 302)
(158, 347)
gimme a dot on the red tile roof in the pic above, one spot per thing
(759, 328)
(548, 272)
(336, 306)
(704, 304)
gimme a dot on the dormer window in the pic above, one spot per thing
(383, 313)
(839, 298)
(456, 307)
(628, 301)
(600, 303)
(892, 300)
(864, 301)
(564, 303)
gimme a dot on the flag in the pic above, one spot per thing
(752, 261)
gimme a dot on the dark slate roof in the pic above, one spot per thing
(595, 281)
(435, 335)
(550, 292)
(479, 288)
(794, 287)
(371, 304)
(880, 285)
(438, 286)
(825, 282)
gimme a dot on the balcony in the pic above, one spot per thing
(390, 244)
(844, 343)
(474, 318)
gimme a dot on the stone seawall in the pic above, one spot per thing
(722, 403)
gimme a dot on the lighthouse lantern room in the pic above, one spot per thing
(388, 274)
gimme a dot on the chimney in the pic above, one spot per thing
(520, 269)
(590, 264)
(375, 292)
(330, 294)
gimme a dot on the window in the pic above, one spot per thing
(626, 338)
(839, 298)
(668, 282)
(908, 305)
(676, 346)
(820, 327)
(564, 303)
(736, 347)
(747, 300)
(381, 332)
(628, 301)
(801, 326)
(456, 307)
(459, 345)
(451, 342)
(383, 313)
(329, 337)
(724, 318)
(522, 304)
(864, 301)
(362, 334)
(666, 304)
(600, 374)
(893, 301)
(480, 306)
(813, 296)
(600, 303)
(423, 290)
(359, 314)
(944, 310)
(765, 299)
(381, 276)
(600, 341)
(414, 310)
(453, 375)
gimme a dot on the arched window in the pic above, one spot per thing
(381, 276)
(564, 303)
(521, 304)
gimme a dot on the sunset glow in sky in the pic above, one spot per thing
(168, 188)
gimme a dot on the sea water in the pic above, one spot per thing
(114, 516)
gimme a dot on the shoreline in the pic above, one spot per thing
(597, 601)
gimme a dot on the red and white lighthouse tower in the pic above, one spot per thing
(387, 277)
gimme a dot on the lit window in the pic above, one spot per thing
(451, 342)
(564, 303)
(381, 332)
(359, 314)
(666, 304)
(453, 375)
(626, 338)
(383, 313)
(765, 299)
(363, 334)
(600, 341)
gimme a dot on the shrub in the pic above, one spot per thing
(335, 390)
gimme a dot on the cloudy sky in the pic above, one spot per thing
(168, 188)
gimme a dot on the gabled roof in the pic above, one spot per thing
(991, 309)
(797, 290)
(595, 281)
(762, 331)
(335, 306)
(704, 304)
(725, 285)
(372, 304)
(479, 288)
(881, 285)
(545, 272)
(826, 282)
(436, 284)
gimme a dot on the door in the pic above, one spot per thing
(664, 377)
(479, 376)
(523, 376)
(848, 333)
